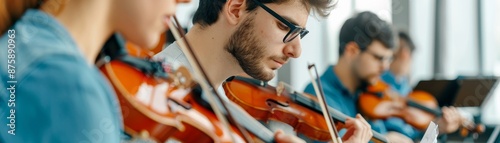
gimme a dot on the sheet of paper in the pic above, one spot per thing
(431, 134)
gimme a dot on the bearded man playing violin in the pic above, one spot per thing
(365, 52)
(255, 37)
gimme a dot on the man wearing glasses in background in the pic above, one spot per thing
(366, 46)
(255, 37)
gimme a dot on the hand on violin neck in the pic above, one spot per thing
(281, 137)
(358, 130)
(389, 108)
(450, 121)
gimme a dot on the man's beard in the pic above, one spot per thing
(248, 51)
(364, 81)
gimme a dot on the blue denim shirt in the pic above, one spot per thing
(403, 88)
(338, 96)
(58, 96)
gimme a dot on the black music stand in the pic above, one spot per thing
(460, 92)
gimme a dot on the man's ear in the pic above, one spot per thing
(233, 10)
(352, 48)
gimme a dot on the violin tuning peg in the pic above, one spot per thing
(480, 128)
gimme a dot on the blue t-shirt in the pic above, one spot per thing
(58, 96)
(403, 88)
(338, 96)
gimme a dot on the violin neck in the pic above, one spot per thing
(253, 126)
(414, 104)
(248, 80)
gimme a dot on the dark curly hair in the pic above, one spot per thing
(208, 10)
(363, 29)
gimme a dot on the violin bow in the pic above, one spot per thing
(321, 98)
(206, 83)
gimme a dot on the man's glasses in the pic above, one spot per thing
(379, 57)
(294, 29)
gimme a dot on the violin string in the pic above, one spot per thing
(205, 84)
(321, 98)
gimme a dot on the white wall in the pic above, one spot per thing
(185, 12)
(491, 47)
(422, 32)
(497, 65)
(490, 22)
(460, 38)
(383, 8)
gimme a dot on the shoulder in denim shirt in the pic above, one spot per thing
(59, 97)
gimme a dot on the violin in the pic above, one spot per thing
(418, 109)
(158, 105)
(301, 111)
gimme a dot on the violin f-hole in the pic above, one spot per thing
(272, 103)
(182, 104)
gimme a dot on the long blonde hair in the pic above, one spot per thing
(11, 10)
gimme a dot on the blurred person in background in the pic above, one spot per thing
(60, 96)
(397, 76)
(365, 52)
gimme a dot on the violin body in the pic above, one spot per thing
(372, 102)
(418, 109)
(162, 108)
(263, 103)
(301, 111)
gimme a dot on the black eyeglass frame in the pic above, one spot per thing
(293, 28)
(379, 58)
